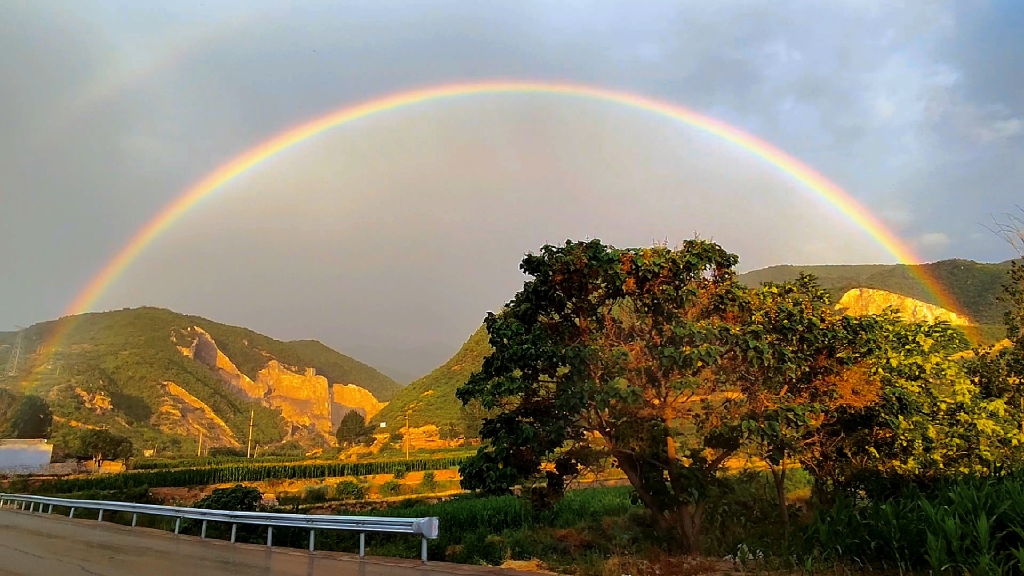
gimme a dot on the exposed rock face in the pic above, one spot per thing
(205, 350)
(304, 399)
(183, 413)
(99, 401)
(861, 301)
(348, 397)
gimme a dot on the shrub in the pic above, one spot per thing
(315, 495)
(429, 483)
(390, 488)
(349, 490)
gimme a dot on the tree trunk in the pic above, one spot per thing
(692, 516)
(779, 476)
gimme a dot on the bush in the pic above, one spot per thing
(390, 488)
(429, 483)
(349, 490)
(238, 498)
(400, 474)
(315, 495)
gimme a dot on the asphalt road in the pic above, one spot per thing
(53, 545)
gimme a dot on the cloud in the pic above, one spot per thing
(932, 239)
(913, 108)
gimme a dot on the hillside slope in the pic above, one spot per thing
(974, 285)
(164, 379)
(433, 396)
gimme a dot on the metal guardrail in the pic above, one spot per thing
(426, 528)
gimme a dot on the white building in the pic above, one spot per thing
(24, 456)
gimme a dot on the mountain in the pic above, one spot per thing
(432, 397)
(975, 286)
(165, 379)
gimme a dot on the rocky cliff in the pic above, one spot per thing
(348, 397)
(860, 301)
(308, 402)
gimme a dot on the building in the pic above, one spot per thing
(31, 456)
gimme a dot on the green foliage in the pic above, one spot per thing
(390, 488)
(349, 490)
(429, 482)
(676, 367)
(99, 444)
(352, 428)
(964, 526)
(315, 495)
(594, 336)
(241, 473)
(434, 394)
(238, 498)
(975, 286)
(24, 416)
(127, 355)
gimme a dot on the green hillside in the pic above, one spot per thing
(974, 285)
(126, 355)
(433, 396)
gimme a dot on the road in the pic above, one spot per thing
(53, 545)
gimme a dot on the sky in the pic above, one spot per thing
(389, 238)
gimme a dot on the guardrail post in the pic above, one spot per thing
(50, 511)
(312, 535)
(423, 550)
(362, 544)
(177, 525)
(270, 536)
(135, 519)
(31, 507)
(100, 519)
(234, 529)
(72, 513)
(203, 535)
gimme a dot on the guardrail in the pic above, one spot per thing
(426, 528)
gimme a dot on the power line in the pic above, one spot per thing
(12, 361)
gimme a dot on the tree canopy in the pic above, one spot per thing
(662, 362)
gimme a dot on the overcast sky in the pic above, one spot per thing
(390, 237)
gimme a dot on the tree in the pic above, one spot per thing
(351, 429)
(100, 444)
(929, 421)
(610, 352)
(24, 416)
(795, 359)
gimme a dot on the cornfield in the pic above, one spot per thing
(174, 464)
(207, 475)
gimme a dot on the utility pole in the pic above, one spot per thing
(12, 362)
(407, 433)
(200, 451)
(248, 448)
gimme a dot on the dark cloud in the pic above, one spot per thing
(395, 233)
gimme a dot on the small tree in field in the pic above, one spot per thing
(351, 429)
(613, 350)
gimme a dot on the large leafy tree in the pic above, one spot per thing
(610, 352)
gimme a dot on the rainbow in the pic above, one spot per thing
(239, 165)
